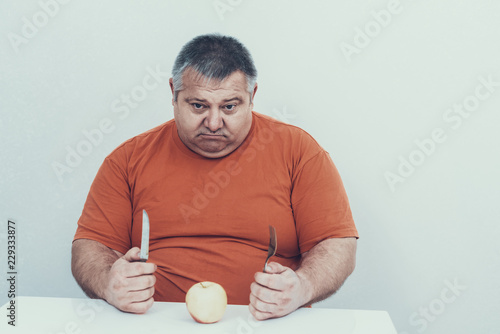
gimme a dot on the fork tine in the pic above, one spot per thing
(271, 250)
(271, 234)
(272, 231)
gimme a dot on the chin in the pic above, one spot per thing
(216, 150)
(214, 154)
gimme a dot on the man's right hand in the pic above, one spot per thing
(131, 283)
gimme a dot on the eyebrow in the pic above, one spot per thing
(233, 99)
(195, 99)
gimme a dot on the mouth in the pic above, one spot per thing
(211, 136)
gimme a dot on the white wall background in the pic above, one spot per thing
(437, 228)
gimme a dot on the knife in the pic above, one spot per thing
(145, 237)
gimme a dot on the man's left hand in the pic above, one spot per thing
(277, 292)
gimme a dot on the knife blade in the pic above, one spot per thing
(145, 237)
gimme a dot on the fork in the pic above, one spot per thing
(272, 245)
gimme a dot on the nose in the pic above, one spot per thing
(213, 121)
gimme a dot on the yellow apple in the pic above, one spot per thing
(206, 302)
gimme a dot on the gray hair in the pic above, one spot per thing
(215, 57)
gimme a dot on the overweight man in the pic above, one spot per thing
(212, 180)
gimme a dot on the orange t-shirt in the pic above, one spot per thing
(210, 217)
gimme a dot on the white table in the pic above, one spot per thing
(79, 316)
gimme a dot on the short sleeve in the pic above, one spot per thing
(320, 204)
(107, 213)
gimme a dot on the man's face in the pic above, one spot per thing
(213, 118)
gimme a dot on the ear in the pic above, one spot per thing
(253, 94)
(171, 82)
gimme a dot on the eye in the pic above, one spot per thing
(197, 106)
(230, 107)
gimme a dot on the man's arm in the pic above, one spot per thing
(115, 277)
(322, 272)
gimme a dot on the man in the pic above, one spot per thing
(212, 180)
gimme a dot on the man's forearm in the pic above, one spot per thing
(326, 266)
(91, 262)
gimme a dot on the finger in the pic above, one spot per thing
(120, 287)
(257, 314)
(275, 268)
(132, 254)
(124, 300)
(263, 293)
(140, 295)
(133, 269)
(272, 281)
(119, 254)
(139, 307)
(139, 283)
(260, 305)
